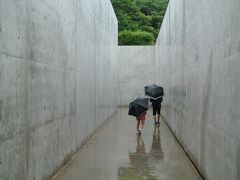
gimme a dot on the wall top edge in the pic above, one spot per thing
(134, 46)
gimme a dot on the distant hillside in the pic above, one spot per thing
(139, 20)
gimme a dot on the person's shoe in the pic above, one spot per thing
(139, 132)
(155, 124)
(158, 123)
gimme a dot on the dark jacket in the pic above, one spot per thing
(156, 102)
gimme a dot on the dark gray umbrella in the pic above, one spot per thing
(154, 91)
(138, 106)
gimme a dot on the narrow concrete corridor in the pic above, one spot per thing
(115, 152)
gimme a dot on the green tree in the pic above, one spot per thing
(139, 16)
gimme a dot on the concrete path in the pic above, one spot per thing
(115, 152)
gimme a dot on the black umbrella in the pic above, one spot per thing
(138, 106)
(154, 91)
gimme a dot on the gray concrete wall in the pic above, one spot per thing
(136, 70)
(58, 74)
(198, 63)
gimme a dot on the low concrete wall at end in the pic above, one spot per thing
(136, 70)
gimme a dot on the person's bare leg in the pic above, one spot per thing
(138, 123)
(142, 124)
(155, 120)
(158, 118)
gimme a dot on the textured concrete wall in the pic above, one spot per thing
(136, 70)
(58, 70)
(197, 62)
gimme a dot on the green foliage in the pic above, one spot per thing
(139, 16)
(135, 38)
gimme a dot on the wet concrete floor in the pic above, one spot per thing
(116, 152)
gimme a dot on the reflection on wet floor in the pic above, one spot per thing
(141, 161)
(117, 153)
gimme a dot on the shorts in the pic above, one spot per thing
(156, 109)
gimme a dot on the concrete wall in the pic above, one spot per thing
(197, 62)
(136, 70)
(58, 70)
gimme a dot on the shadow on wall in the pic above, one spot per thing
(178, 93)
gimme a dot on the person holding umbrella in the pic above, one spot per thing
(141, 122)
(138, 108)
(156, 105)
(156, 97)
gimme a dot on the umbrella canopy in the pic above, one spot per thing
(138, 106)
(154, 91)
